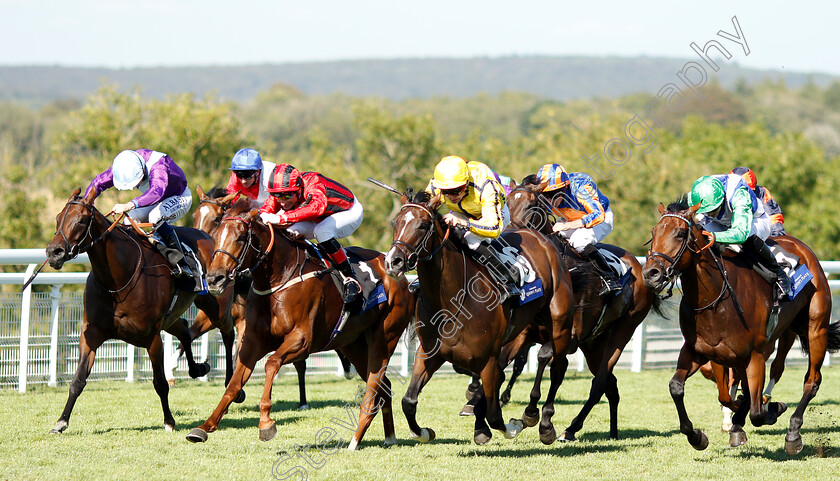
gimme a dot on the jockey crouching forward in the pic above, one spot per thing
(314, 206)
(733, 215)
(588, 218)
(476, 202)
(771, 207)
(165, 195)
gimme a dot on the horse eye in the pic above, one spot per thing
(682, 234)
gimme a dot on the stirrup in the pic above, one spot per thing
(352, 288)
(610, 285)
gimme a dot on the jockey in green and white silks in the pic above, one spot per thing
(731, 214)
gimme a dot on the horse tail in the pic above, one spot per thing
(834, 337)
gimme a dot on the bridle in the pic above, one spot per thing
(671, 273)
(238, 270)
(413, 253)
(543, 209)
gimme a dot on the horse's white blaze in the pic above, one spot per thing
(389, 258)
(224, 235)
(408, 218)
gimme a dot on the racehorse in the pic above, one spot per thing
(293, 309)
(130, 293)
(715, 329)
(207, 217)
(459, 318)
(603, 324)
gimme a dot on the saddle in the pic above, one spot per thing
(373, 291)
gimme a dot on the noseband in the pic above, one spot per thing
(249, 244)
(413, 256)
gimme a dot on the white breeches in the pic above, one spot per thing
(338, 225)
(473, 240)
(584, 236)
(170, 208)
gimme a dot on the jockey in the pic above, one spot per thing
(313, 206)
(734, 215)
(586, 212)
(165, 195)
(476, 202)
(250, 175)
(771, 207)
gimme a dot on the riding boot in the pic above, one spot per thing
(352, 288)
(505, 275)
(611, 284)
(760, 249)
(175, 252)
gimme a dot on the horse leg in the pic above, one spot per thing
(89, 341)
(817, 344)
(687, 365)
(200, 325)
(377, 392)
(300, 367)
(518, 366)
(245, 362)
(424, 368)
(603, 381)
(155, 350)
(345, 365)
(180, 330)
(777, 368)
(559, 365)
(531, 416)
(472, 396)
(268, 429)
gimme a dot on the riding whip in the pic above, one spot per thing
(32, 278)
(384, 185)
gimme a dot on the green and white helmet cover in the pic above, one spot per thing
(709, 192)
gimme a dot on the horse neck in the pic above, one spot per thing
(114, 258)
(702, 281)
(281, 263)
(432, 272)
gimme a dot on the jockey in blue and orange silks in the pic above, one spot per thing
(771, 207)
(584, 215)
(312, 205)
(476, 202)
(165, 196)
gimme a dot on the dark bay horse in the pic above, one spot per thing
(207, 217)
(715, 330)
(129, 293)
(603, 324)
(293, 308)
(460, 320)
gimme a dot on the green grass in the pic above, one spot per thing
(116, 433)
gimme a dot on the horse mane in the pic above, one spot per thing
(422, 197)
(531, 180)
(217, 192)
(680, 204)
(243, 204)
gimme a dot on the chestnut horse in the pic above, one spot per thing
(714, 329)
(129, 293)
(293, 309)
(459, 317)
(603, 324)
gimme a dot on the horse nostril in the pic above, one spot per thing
(652, 273)
(55, 252)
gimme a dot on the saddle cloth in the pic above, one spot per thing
(618, 266)
(798, 273)
(529, 284)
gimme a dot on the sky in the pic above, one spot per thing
(791, 36)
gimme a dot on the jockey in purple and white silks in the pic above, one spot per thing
(165, 194)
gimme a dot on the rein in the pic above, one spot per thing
(671, 273)
(249, 244)
(414, 253)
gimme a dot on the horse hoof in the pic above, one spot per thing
(548, 437)
(268, 433)
(467, 410)
(469, 394)
(703, 441)
(737, 438)
(169, 427)
(59, 427)
(567, 436)
(482, 436)
(425, 436)
(530, 421)
(793, 447)
(197, 435)
(303, 407)
(200, 370)
(240, 398)
(390, 441)
(505, 398)
(514, 428)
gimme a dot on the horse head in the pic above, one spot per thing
(211, 208)
(675, 240)
(528, 210)
(237, 245)
(73, 229)
(414, 227)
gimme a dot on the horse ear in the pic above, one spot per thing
(254, 214)
(541, 186)
(694, 208)
(661, 208)
(91, 195)
(435, 202)
(228, 198)
(76, 193)
(200, 191)
(404, 199)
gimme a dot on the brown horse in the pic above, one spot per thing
(130, 293)
(603, 324)
(715, 329)
(293, 308)
(459, 317)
